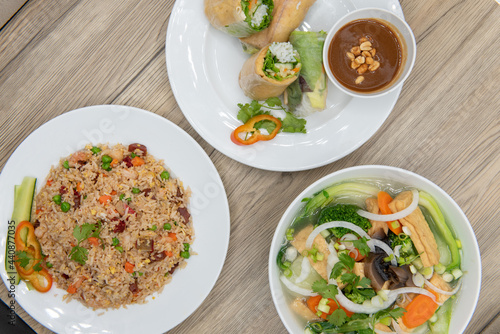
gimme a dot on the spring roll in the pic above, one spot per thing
(267, 73)
(308, 94)
(239, 18)
(286, 17)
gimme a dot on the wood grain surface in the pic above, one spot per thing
(59, 55)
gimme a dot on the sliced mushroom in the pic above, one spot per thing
(400, 277)
(375, 270)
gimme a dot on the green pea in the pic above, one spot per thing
(57, 199)
(136, 190)
(185, 254)
(167, 226)
(186, 246)
(106, 158)
(153, 228)
(116, 241)
(122, 196)
(119, 248)
(165, 175)
(66, 164)
(65, 206)
(95, 149)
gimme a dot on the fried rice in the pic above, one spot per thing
(123, 231)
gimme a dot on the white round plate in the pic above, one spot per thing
(113, 124)
(203, 66)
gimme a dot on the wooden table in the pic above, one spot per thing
(60, 55)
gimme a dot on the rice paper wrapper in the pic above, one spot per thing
(254, 82)
(287, 16)
(308, 94)
(227, 16)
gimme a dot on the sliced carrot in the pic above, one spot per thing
(137, 161)
(79, 187)
(129, 267)
(49, 182)
(169, 253)
(71, 289)
(384, 199)
(104, 199)
(113, 192)
(114, 162)
(93, 241)
(37, 211)
(173, 236)
(419, 310)
(313, 303)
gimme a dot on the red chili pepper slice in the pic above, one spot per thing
(41, 280)
(256, 135)
(26, 241)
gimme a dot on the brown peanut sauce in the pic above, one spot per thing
(389, 53)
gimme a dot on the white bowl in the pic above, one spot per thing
(471, 260)
(398, 25)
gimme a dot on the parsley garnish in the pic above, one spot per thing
(81, 233)
(23, 258)
(324, 289)
(289, 124)
(362, 246)
(38, 266)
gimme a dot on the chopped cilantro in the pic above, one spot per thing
(23, 258)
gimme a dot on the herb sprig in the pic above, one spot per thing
(80, 254)
(290, 123)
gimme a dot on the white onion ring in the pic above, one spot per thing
(334, 224)
(397, 328)
(420, 291)
(438, 290)
(397, 250)
(297, 289)
(386, 248)
(305, 270)
(393, 216)
(330, 263)
(359, 308)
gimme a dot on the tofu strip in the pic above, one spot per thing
(421, 234)
(299, 242)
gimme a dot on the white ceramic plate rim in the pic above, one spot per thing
(471, 259)
(210, 107)
(184, 157)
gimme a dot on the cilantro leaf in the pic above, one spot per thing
(364, 282)
(273, 102)
(250, 110)
(38, 266)
(324, 289)
(348, 277)
(362, 246)
(79, 254)
(23, 258)
(293, 124)
(395, 313)
(83, 232)
(338, 317)
(347, 260)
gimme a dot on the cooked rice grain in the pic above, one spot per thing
(104, 281)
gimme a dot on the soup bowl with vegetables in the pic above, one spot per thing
(374, 249)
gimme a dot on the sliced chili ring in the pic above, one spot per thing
(256, 135)
(41, 280)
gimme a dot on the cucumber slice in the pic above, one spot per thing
(24, 200)
(23, 205)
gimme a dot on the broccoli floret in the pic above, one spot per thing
(407, 248)
(343, 212)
